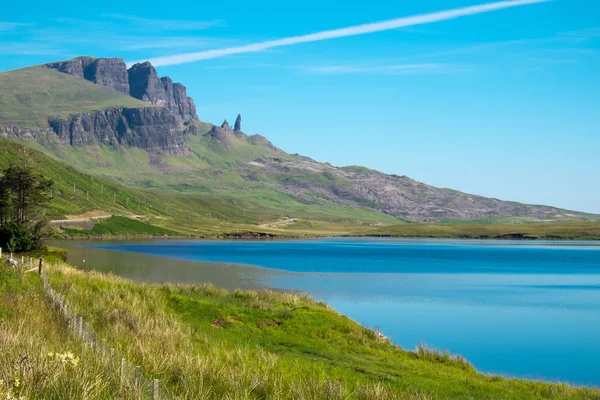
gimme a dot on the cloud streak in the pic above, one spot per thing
(7, 26)
(167, 24)
(394, 69)
(343, 32)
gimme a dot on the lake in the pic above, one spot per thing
(515, 308)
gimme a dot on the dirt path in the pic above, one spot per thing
(279, 224)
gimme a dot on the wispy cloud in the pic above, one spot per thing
(28, 49)
(167, 24)
(583, 34)
(343, 32)
(394, 69)
(7, 26)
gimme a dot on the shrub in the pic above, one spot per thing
(16, 238)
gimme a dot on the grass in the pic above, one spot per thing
(120, 226)
(539, 231)
(30, 329)
(207, 343)
(228, 209)
(30, 96)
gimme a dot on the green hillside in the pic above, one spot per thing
(29, 96)
(195, 213)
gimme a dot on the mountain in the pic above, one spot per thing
(142, 131)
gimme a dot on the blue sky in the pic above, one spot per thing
(502, 103)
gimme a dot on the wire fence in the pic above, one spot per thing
(133, 381)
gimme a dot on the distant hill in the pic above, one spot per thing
(142, 131)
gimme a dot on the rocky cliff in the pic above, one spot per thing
(152, 128)
(110, 72)
(147, 86)
(140, 81)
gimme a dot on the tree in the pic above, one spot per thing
(23, 199)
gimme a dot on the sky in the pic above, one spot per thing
(494, 98)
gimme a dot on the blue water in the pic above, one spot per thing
(526, 309)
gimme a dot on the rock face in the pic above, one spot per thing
(238, 123)
(75, 67)
(147, 86)
(140, 81)
(110, 72)
(157, 129)
(151, 128)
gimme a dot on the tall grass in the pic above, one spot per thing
(207, 343)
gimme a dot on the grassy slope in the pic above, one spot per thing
(206, 343)
(29, 330)
(219, 212)
(555, 230)
(30, 96)
(185, 213)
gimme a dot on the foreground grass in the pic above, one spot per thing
(207, 343)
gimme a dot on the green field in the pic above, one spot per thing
(207, 343)
(534, 231)
(30, 96)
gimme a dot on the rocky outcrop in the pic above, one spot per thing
(147, 86)
(238, 123)
(154, 129)
(75, 67)
(140, 81)
(221, 134)
(15, 132)
(110, 72)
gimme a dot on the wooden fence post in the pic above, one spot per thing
(138, 381)
(122, 371)
(155, 389)
(80, 326)
(40, 266)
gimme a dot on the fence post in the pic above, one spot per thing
(155, 389)
(137, 381)
(40, 266)
(80, 326)
(0, 252)
(122, 371)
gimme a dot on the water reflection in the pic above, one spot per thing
(152, 269)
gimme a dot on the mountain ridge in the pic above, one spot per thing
(187, 155)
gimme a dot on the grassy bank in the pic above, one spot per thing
(535, 231)
(207, 343)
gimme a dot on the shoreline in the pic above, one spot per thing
(266, 237)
